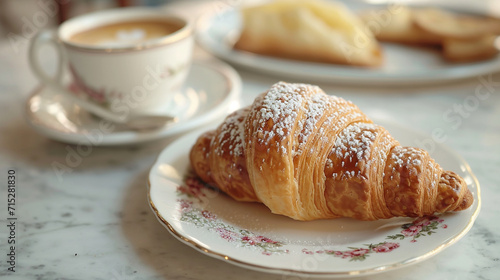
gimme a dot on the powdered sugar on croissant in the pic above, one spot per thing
(308, 155)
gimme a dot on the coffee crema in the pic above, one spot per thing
(125, 33)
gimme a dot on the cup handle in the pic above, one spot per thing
(55, 82)
(42, 38)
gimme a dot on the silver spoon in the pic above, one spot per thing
(130, 121)
(149, 122)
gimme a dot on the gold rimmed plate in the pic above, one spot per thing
(249, 235)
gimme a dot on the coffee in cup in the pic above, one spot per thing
(122, 33)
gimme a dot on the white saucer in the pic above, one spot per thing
(210, 91)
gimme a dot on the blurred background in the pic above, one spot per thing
(18, 14)
(39, 14)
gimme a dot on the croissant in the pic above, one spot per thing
(308, 155)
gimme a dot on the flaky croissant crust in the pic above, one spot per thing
(308, 155)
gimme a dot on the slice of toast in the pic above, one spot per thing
(482, 48)
(463, 38)
(398, 26)
(450, 25)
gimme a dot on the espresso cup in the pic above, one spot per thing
(127, 61)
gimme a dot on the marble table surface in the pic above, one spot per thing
(95, 222)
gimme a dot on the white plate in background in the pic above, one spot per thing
(403, 65)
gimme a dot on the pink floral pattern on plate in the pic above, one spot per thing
(192, 194)
(423, 226)
(194, 190)
(357, 254)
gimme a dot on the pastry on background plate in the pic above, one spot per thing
(398, 26)
(316, 30)
(462, 38)
(308, 155)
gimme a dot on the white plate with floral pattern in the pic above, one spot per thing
(403, 65)
(249, 235)
(211, 90)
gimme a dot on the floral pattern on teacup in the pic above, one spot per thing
(104, 97)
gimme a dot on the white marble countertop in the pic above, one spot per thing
(95, 222)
